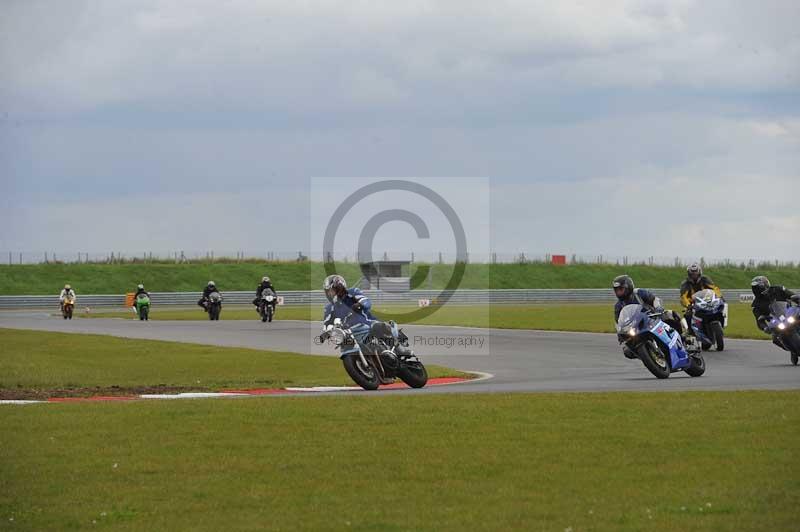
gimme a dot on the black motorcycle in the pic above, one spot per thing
(380, 357)
(266, 305)
(783, 323)
(213, 305)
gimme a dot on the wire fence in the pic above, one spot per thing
(243, 256)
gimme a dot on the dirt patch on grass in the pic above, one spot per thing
(106, 391)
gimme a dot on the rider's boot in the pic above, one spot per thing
(690, 341)
(628, 352)
(403, 351)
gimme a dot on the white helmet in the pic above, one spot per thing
(265, 279)
(140, 287)
(67, 287)
(211, 283)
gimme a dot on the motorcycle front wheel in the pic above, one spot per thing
(654, 360)
(413, 373)
(718, 335)
(697, 366)
(366, 377)
(793, 343)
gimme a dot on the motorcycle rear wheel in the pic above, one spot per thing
(718, 335)
(368, 378)
(413, 373)
(654, 360)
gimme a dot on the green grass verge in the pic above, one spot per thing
(168, 277)
(41, 364)
(580, 318)
(616, 462)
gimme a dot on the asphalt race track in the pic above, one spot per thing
(519, 360)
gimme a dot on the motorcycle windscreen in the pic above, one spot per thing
(629, 318)
(704, 298)
(777, 309)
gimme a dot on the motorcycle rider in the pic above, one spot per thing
(765, 295)
(344, 302)
(66, 293)
(207, 291)
(266, 283)
(628, 294)
(139, 290)
(695, 282)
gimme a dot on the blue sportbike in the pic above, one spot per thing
(709, 319)
(784, 326)
(658, 345)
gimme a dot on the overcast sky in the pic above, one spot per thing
(617, 127)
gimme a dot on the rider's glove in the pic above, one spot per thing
(357, 307)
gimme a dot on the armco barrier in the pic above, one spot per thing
(316, 297)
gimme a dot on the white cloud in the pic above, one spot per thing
(321, 55)
(677, 104)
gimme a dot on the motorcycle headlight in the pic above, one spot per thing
(790, 319)
(631, 332)
(781, 326)
(337, 336)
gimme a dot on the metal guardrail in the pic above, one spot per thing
(316, 297)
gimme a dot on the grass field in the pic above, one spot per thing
(584, 318)
(42, 364)
(565, 462)
(167, 277)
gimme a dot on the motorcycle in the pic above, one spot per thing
(784, 326)
(266, 307)
(142, 306)
(709, 318)
(67, 307)
(380, 355)
(658, 346)
(213, 305)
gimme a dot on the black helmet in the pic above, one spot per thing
(623, 287)
(694, 272)
(335, 287)
(759, 285)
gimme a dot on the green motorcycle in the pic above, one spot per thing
(143, 307)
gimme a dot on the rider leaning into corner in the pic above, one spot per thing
(695, 282)
(765, 295)
(628, 294)
(344, 302)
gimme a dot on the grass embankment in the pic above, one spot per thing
(43, 364)
(580, 318)
(616, 462)
(167, 277)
